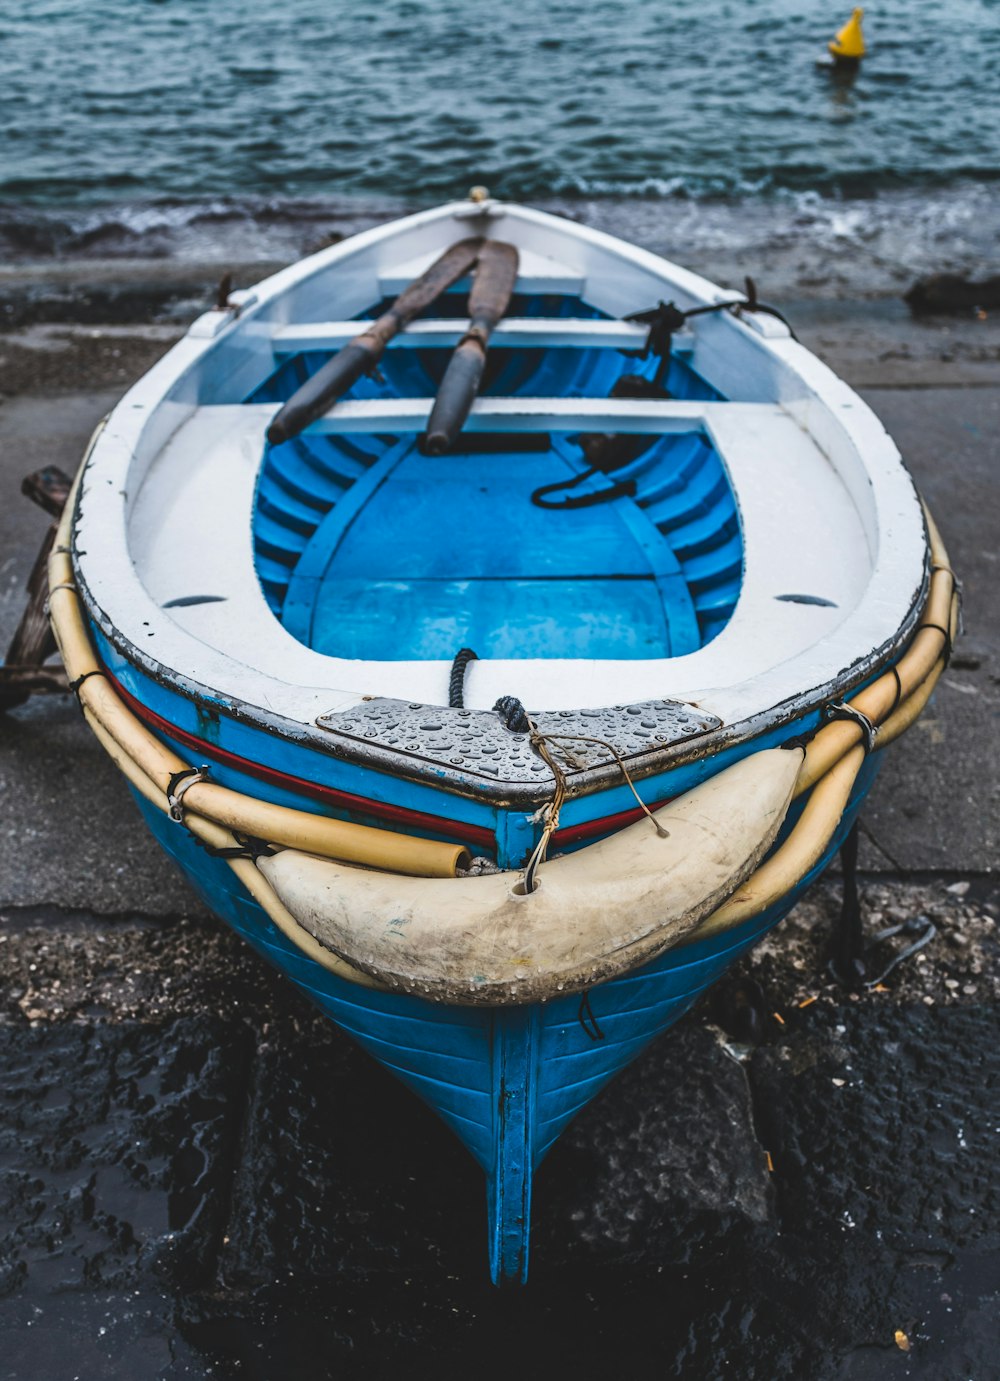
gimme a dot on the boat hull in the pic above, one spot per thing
(507, 1081)
(280, 623)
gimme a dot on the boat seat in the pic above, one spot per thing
(537, 274)
(512, 332)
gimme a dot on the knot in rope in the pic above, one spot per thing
(177, 785)
(517, 720)
(514, 715)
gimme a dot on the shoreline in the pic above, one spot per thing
(100, 323)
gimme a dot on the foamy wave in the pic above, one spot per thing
(802, 242)
(684, 188)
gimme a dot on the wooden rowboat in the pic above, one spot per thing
(502, 723)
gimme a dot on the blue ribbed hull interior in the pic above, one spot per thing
(365, 548)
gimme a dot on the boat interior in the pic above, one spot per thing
(368, 548)
(347, 562)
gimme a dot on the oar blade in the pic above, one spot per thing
(492, 289)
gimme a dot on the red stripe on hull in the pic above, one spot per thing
(345, 800)
(377, 810)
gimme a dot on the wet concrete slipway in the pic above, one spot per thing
(200, 1178)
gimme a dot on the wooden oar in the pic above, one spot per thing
(496, 274)
(363, 353)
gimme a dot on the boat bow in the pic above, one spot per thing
(595, 913)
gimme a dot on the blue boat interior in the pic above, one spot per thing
(366, 548)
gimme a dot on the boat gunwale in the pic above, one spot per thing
(528, 794)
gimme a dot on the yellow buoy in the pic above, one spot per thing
(849, 44)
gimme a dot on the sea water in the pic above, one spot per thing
(251, 127)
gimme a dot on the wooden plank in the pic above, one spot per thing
(563, 282)
(32, 642)
(445, 333)
(394, 415)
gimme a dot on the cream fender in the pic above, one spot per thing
(594, 915)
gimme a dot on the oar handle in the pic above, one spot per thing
(492, 288)
(316, 395)
(362, 354)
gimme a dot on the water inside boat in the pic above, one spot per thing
(366, 548)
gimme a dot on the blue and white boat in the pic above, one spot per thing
(699, 588)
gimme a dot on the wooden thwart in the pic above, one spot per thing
(533, 333)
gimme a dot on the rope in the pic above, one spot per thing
(514, 716)
(75, 685)
(619, 490)
(899, 692)
(606, 453)
(456, 681)
(551, 810)
(946, 634)
(248, 847)
(585, 1016)
(906, 927)
(959, 589)
(479, 867)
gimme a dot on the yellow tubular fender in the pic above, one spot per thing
(234, 811)
(889, 693)
(800, 852)
(217, 838)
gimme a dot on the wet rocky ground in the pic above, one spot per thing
(201, 1178)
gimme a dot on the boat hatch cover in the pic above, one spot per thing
(475, 742)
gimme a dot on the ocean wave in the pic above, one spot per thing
(801, 243)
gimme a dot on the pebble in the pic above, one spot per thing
(958, 889)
